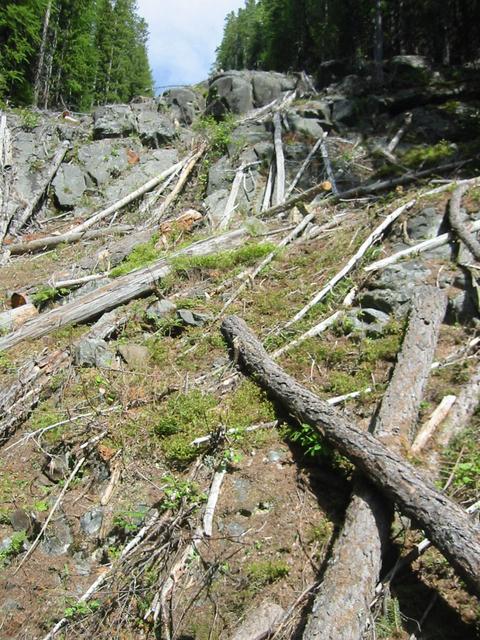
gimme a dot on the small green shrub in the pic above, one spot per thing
(218, 134)
(181, 492)
(79, 609)
(48, 294)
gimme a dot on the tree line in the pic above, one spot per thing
(300, 34)
(72, 53)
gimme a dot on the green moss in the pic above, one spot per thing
(463, 457)
(225, 260)
(428, 155)
(265, 572)
(141, 256)
(385, 348)
(15, 547)
(340, 382)
(48, 294)
(185, 417)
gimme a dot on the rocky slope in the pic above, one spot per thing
(120, 407)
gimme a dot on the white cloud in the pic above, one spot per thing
(183, 36)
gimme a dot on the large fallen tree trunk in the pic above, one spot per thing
(444, 522)
(342, 604)
(458, 225)
(134, 285)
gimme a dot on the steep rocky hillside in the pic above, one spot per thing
(150, 488)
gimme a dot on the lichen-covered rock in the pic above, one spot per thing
(409, 70)
(259, 622)
(69, 186)
(392, 289)
(113, 121)
(104, 160)
(184, 104)
(154, 129)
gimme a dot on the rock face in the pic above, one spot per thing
(69, 186)
(242, 91)
(113, 121)
(154, 129)
(391, 290)
(184, 104)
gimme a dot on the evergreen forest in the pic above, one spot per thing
(287, 35)
(72, 54)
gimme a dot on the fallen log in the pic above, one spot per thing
(267, 196)
(133, 285)
(49, 242)
(444, 522)
(458, 225)
(20, 221)
(376, 234)
(328, 167)
(232, 198)
(363, 190)
(305, 164)
(279, 160)
(126, 200)
(342, 604)
(19, 398)
(14, 318)
(189, 166)
(428, 429)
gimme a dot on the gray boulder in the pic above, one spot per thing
(58, 537)
(69, 186)
(392, 289)
(113, 121)
(106, 159)
(93, 352)
(154, 129)
(91, 521)
(268, 86)
(160, 309)
(220, 175)
(248, 134)
(233, 90)
(193, 318)
(260, 621)
(215, 204)
(308, 126)
(184, 104)
(409, 70)
(426, 224)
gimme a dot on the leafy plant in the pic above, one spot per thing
(218, 134)
(15, 547)
(181, 492)
(82, 609)
(48, 294)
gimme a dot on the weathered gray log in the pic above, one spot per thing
(48, 242)
(444, 522)
(20, 221)
(279, 160)
(458, 225)
(134, 285)
(18, 399)
(14, 318)
(341, 607)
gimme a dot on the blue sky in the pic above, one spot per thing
(183, 37)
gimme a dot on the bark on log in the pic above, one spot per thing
(48, 242)
(342, 604)
(20, 221)
(444, 522)
(134, 285)
(305, 164)
(401, 401)
(458, 225)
